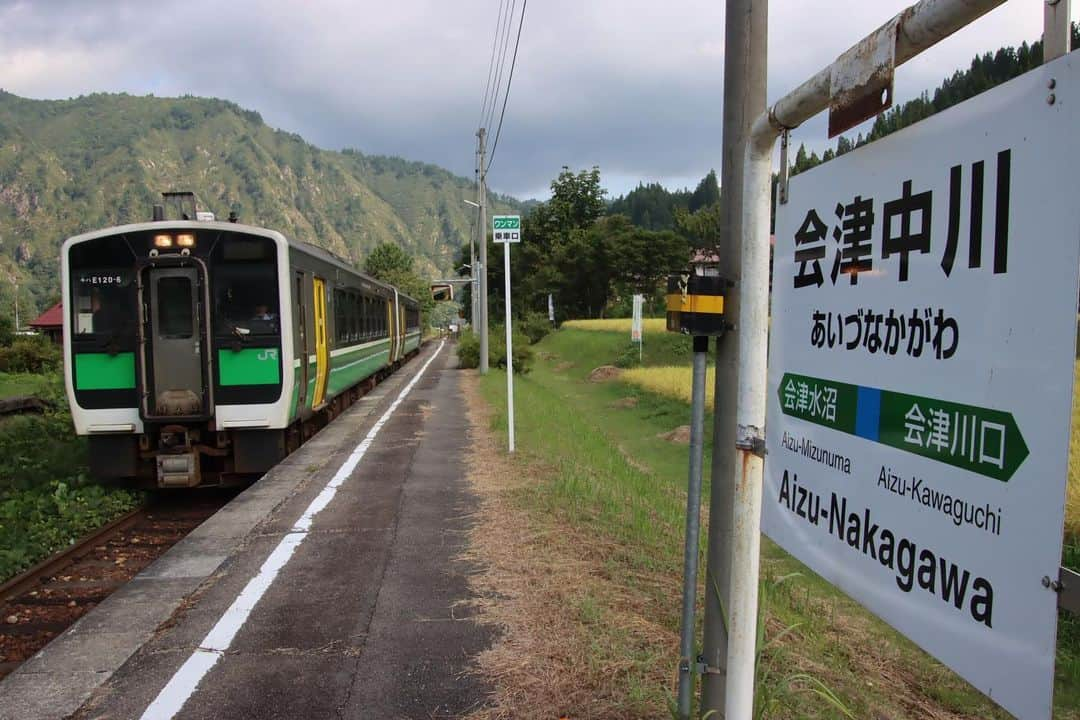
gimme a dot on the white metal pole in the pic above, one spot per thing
(1057, 31)
(509, 348)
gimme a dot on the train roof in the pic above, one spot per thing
(305, 247)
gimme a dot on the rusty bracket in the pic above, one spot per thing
(751, 439)
(700, 667)
(861, 80)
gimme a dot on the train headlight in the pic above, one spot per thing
(185, 240)
(163, 241)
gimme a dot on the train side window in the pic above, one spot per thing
(362, 320)
(341, 332)
(356, 317)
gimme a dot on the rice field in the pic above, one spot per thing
(670, 381)
(617, 325)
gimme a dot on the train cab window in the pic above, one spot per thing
(104, 301)
(245, 287)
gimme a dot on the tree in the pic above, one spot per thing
(444, 313)
(706, 194)
(387, 259)
(703, 227)
(392, 265)
(577, 201)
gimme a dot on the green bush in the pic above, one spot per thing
(523, 353)
(469, 350)
(46, 499)
(535, 326)
(38, 521)
(35, 449)
(32, 354)
(7, 330)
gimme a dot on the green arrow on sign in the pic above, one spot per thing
(981, 440)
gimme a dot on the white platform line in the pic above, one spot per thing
(183, 684)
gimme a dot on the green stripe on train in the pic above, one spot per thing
(101, 371)
(295, 394)
(250, 366)
(349, 368)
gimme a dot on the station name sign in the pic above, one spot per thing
(921, 367)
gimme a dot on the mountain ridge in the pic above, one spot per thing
(70, 166)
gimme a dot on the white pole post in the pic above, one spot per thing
(509, 349)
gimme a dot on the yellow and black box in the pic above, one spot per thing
(695, 304)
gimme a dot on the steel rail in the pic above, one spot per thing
(31, 577)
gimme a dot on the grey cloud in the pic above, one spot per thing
(632, 86)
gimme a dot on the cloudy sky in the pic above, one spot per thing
(632, 86)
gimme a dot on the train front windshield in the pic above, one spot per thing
(103, 300)
(245, 287)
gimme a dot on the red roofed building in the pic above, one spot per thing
(51, 323)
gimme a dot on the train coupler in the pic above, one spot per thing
(178, 470)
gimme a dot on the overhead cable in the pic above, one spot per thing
(506, 95)
(491, 64)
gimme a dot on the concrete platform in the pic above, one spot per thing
(330, 588)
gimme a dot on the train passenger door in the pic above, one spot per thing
(301, 344)
(174, 374)
(322, 352)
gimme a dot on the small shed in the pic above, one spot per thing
(51, 323)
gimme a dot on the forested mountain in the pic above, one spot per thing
(69, 166)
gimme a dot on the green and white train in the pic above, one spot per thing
(199, 352)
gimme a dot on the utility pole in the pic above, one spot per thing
(745, 31)
(474, 319)
(481, 135)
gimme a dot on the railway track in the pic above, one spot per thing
(39, 604)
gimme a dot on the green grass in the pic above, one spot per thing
(46, 499)
(603, 471)
(12, 384)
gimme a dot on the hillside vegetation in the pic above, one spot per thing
(68, 166)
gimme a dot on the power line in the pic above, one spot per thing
(510, 79)
(504, 45)
(491, 63)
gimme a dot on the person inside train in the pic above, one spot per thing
(262, 312)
